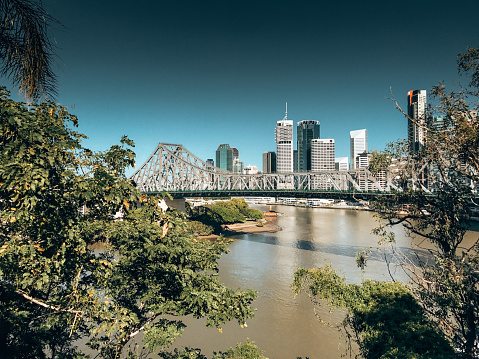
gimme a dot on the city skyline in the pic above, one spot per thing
(202, 74)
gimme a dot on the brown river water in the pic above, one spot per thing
(284, 325)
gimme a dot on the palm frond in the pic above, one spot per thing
(25, 49)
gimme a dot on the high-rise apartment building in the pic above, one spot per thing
(358, 143)
(210, 162)
(322, 154)
(416, 125)
(224, 157)
(269, 162)
(284, 144)
(306, 131)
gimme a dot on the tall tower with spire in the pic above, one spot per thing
(284, 144)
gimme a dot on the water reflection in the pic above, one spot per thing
(414, 255)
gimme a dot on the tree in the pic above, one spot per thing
(225, 212)
(446, 283)
(25, 49)
(383, 318)
(83, 254)
(199, 228)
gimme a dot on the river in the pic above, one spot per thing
(284, 325)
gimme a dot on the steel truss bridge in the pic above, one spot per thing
(174, 169)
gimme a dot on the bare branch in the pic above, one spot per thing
(36, 301)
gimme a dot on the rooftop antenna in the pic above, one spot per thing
(286, 115)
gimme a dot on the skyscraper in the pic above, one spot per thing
(416, 128)
(269, 162)
(359, 144)
(284, 144)
(224, 157)
(322, 154)
(306, 131)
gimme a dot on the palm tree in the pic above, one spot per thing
(25, 51)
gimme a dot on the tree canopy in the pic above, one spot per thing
(83, 254)
(235, 210)
(383, 318)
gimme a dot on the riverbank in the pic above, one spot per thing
(252, 227)
(245, 228)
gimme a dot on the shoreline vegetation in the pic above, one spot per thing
(266, 224)
(213, 218)
(210, 220)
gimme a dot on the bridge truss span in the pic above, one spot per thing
(171, 167)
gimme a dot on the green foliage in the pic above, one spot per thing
(199, 229)
(379, 161)
(227, 215)
(248, 350)
(383, 318)
(253, 214)
(235, 210)
(60, 201)
(240, 205)
(185, 353)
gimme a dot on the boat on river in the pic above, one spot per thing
(271, 213)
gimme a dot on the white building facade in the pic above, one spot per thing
(322, 154)
(362, 160)
(284, 144)
(341, 164)
(416, 128)
(250, 170)
(358, 143)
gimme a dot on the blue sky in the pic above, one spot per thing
(212, 72)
